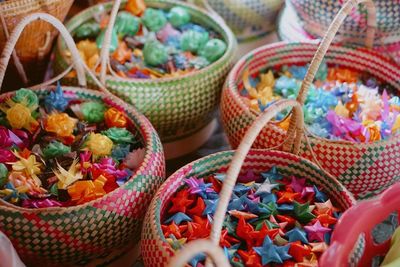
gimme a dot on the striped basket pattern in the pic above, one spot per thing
(78, 234)
(157, 252)
(364, 169)
(177, 107)
(317, 15)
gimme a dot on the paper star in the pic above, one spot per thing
(241, 214)
(297, 234)
(319, 196)
(173, 229)
(248, 177)
(258, 236)
(191, 230)
(309, 261)
(308, 191)
(269, 198)
(326, 219)
(250, 258)
(266, 220)
(316, 232)
(265, 188)
(299, 251)
(280, 241)
(287, 219)
(287, 197)
(216, 185)
(204, 228)
(268, 252)
(325, 207)
(230, 252)
(241, 189)
(283, 252)
(243, 229)
(271, 207)
(302, 212)
(220, 176)
(298, 184)
(197, 186)
(178, 218)
(237, 203)
(176, 244)
(320, 247)
(254, 207)
(211, 205)
(272, 175)
(198, 207)
(230, 225)
(285, 208)
(226, 240)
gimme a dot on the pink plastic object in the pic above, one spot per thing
(361, 219)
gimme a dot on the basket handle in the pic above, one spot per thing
(205, 245)
(361, 218)
(327, 40)
(10, 45)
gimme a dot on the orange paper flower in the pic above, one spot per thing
(123, 53)
(136, 7)
(61, 124)
(115, 118)
(84, 191)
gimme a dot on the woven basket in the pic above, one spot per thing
(357, 223)
(290, 28)
(77, 234)
(155, 249)
(365, 169)
(316, 16)
(35, 43)
(177, 107)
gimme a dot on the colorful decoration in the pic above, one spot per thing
(276, 221)
(341, 104)
(151, 43)
(55, 153)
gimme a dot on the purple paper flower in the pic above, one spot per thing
(40, 203)
(6, 156)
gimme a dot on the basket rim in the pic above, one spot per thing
(145, 129)
(231, 86)
(223, 30)
(180, 174)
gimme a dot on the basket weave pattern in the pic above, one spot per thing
(155, 249)
(365, 169)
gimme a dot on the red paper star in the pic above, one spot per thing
(216, 184)
(191, 230)
(325, 219)
(250, 259)
(204, 227)
(257, 237)
(173, 229)
(227, 240)
(243, 229)
(287, 197)
(198, 208)
(299, 251)
(285, 218)
(180, 202)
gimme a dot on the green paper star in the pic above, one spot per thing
(302, 212)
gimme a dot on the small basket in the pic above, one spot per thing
(177, 107)
(356, 224)
(78, 234)
(155, 249)
(35, 43)
(364, 169)
(316, 16)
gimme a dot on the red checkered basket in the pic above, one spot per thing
(75, 235)
(157, 252)
(365, 169)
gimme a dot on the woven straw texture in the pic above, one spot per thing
(365, 169)
(78, 234)
(317, 15)
(155, 249)
(177, 107)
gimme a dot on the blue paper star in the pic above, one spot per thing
(241, 189)
(220, 176)
(320, 196)
(254, 207)
(196, 259)
(272, 175)
(211, 205)
(178, 218)
(285, 208)
(284, 252)
(230, 252)
(237, 203)
(297, 234)
(268, 252)
(268, 198)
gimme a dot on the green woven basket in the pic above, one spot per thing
(177, 107)
(61, 236)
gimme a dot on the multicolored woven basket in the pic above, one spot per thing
(78, 234)
(155, 249)
(364, 169)
(316, 16)
(177, 107)
(357, 223)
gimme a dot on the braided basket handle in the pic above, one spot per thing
(204, 245)
(327, 40)
(12, 41)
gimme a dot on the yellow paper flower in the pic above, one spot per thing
(61, 124)
(19, 115)
(341, 110)
(28, 166)
(396, 125)
(99, 145)
(66, 178)
(266, 80)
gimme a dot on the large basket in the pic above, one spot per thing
(35, 43)
(78, 234)
(177, 107)
(316, 16)
(365, 169)
(357, 223)
(155, 249)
